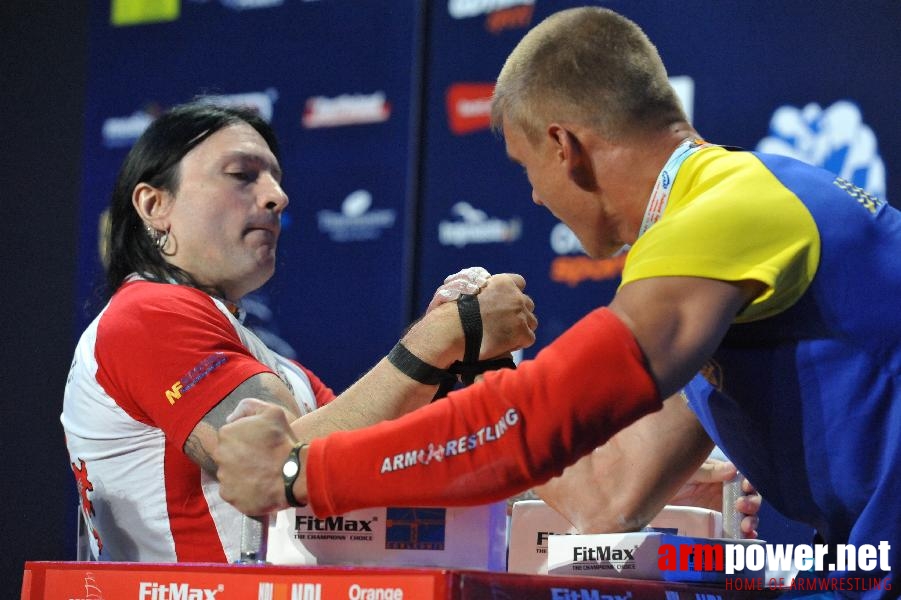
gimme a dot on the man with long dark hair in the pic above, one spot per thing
(194, 227)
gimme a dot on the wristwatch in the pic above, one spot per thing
(290, 471)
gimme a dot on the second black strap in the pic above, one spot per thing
(471, 319)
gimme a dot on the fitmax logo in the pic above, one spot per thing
(311, 523)
(175, 591)
(602, 553)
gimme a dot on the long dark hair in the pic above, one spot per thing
(155, 159)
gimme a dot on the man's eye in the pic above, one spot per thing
(242, 175)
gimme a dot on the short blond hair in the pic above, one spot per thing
(589, 66)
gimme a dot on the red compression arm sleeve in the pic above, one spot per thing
(498, 437)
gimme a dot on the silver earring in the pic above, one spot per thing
(159, 238)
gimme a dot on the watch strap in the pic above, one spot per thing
(293, 456)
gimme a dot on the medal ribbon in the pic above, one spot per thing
(666, 179)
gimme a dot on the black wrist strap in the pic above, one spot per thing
(470, 367)
(469, 371)
(471, 319)
(410, 365)
(294, 455)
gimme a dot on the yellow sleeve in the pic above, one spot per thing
(729, 218)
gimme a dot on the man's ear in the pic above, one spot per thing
(152, 205)
(573, 156)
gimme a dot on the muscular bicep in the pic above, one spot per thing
(202, 441)
(621, 485)
(680, 321)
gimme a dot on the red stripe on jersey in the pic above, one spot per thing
(193, 530)
(322, 392)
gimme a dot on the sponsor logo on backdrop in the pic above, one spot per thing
(262, 102)
(469, 107)
(475, 227)
(469, 103)
(573, 270)
(346, 109)
(250, 4)
(122, 132)
(415, 528)
(357, 221)
(572, 267)
(125, 13)
(244, 4)
(564, 241)
(835, 138)
(500, 14)
(259, 318)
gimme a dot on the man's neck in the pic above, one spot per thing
(641, 160)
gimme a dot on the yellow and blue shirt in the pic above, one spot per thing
(804, 393)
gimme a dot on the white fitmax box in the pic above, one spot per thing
(454, 537)
(644, 555)
(533, 521)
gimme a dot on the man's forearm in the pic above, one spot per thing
(384, 392)
(623, 484)
(497, 437)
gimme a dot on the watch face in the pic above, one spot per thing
(290, 469)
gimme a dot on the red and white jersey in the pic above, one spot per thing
(145, 372)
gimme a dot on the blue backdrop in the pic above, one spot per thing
(335, 79)
(395, 179)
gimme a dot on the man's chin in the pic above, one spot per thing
(263, 272)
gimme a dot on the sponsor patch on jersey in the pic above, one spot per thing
(194, 376)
